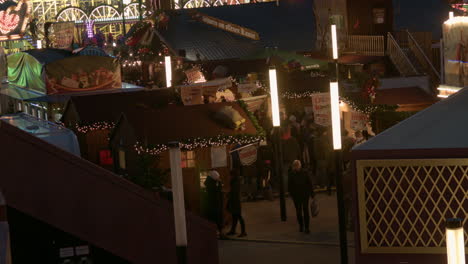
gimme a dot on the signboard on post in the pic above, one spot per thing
(322, 109)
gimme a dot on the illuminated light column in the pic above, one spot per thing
(168, 66)
(335, 115)
(39, 44)
(274, 98)
(178, 202)
(275, 116)
(454, 236)
(336, 131)
(450, 15)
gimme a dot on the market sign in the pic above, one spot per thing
(14, 17)
(248, 155)
(61, 34)
(227, 26)
(322, 109)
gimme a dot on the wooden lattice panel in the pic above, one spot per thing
(403, 204)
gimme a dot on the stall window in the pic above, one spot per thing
(105, 157)
(188, 159)
(122, 161)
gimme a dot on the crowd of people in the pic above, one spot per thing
(307, 162)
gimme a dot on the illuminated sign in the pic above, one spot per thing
(14, 17)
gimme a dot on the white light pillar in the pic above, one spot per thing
(335, 115)
(168, 64)
(450, 14)
(334, 95)
(274, 98)
(455, 241)
(178, 201)
(39, 44)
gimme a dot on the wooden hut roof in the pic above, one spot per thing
(440, 126)
(179, 123)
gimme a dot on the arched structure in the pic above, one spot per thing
(72, 13)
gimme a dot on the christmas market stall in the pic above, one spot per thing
(207, 133)
(93, 127)
(55, 71)
(407, 181)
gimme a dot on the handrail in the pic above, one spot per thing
(414, 46)
(399, 58)
(366, 45)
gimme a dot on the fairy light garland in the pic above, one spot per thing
(199, 142)
(94, 127)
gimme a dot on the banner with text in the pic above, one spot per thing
(227, 26)
(322, 109)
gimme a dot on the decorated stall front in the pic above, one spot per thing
(407, 181)
(207, 133)
(52, 71)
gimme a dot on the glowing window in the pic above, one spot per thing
(188, 159)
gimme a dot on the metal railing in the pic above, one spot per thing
(422, 58)
(403, 204)
(366, 45)
(399, 58)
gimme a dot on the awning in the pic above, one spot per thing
(18, 93)
(63, 98)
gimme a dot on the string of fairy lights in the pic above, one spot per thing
(101, 125)
(200, 142)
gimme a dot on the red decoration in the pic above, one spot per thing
(105, 157)
(8, 21)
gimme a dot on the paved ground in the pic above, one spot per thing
(270, 240)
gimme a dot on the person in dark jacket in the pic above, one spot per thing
(234, 204)
(214, 200)
(300, 189)
(290, 151)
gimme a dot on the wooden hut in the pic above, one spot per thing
(206, 143)
(92, 117)
(407, 181)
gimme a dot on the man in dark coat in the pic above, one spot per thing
(234, 204)
(300, 189)
(214, 197)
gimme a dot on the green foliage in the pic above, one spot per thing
(149, 175)
(258, 127)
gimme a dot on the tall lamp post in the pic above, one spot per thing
(336, 126)
(178, 202)
(275, 114)
(455, 241)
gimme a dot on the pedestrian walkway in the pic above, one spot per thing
(272, 241)
(263, 223)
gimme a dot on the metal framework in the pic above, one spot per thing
(403, 204)
(207, 3)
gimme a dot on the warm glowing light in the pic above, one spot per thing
(455, 243)
(39, 44)
(274, 98)
(445, 90)
(334, 42)
(450, 15)
(457, 19)
(442, 96)
(167, 60)
(114, 44)
(335, 114)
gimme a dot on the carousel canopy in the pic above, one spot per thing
(441, 126)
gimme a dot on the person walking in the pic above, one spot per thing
(290, 151)
(234, 204)
(214, 195)
(300, 189)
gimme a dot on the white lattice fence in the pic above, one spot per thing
(403, 204)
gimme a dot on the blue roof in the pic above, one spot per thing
(291, 26)
(45, 56)
(421, 15)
